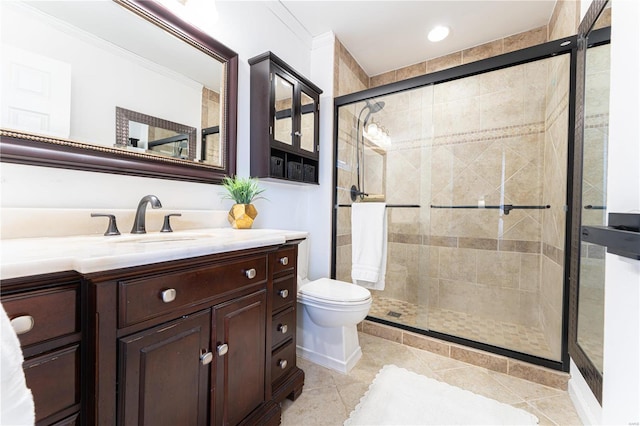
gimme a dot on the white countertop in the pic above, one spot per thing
(85, 254)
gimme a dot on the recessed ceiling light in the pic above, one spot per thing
(438, 33)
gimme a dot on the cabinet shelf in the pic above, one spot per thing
(284, 122)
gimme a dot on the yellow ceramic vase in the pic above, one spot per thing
(241, 216)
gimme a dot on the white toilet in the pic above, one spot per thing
(328, 313)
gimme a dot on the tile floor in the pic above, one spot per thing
(329, 397)
(516, 337)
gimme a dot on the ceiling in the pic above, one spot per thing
(387, 35)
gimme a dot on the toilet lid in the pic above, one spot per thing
(338, 291)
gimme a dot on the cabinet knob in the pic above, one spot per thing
(22, 324)
(250, 273)
(282, 328)
(169, 295)
(222, 349)
(297, 133)
(206, 358)
(282, 364)
(284, 261)
(284, 293)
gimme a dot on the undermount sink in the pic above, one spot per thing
(154, 238)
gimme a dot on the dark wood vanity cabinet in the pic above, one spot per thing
(284, 121)
(208, 340)
(188, 342)
(46, 313)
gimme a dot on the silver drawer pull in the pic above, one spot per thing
(284, 261)
(169, 295)
(22, 324)
(284, 293)
(282, 328)
(222, 349)
(206, 358)
(250, 273)
(282, 364)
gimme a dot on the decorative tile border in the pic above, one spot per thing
(519, 246)
(553, 253)
(490, 134)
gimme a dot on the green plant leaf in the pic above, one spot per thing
(242, 190)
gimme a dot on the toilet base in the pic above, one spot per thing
(326, 361)
(337, 348)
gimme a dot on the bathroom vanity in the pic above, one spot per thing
(200, 329)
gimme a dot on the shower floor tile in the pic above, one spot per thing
(516, 337)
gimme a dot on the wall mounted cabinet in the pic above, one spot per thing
(284, 121)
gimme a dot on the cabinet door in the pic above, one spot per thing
(308, 121)
(239, 333)
(283, 112)
(164, 377)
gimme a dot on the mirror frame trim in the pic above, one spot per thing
(29, 149)
(590, 373)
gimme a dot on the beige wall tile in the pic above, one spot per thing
(458, 264)
(525, 39)
(484, 51)
(382, 79)
(504, 269)
(444, 62)
(411, 71)
(564, 19)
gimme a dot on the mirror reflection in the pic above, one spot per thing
(69, 65)
(590, 330)
(283, 123)
(307, 126)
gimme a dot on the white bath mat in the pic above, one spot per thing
(400, 397)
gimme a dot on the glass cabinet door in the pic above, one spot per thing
(283, 103)
(307, 122)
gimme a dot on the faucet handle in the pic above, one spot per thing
(113, 227)
(166, 226)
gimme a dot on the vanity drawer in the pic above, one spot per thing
(283, 326)
(285, 259)
(282, 361)
(54, 381)
(146, 298)
(284, 291)
(42, 315)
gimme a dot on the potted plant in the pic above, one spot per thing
(243, 191)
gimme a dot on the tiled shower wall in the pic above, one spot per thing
(506, 267)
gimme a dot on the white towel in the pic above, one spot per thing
(369, 244)
(16, 400)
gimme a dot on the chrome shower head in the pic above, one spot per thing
(373, 108)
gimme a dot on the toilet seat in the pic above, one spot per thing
(334, 291)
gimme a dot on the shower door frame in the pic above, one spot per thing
(567, 45)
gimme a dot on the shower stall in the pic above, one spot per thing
(472, 163)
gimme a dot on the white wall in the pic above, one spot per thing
(249, 28)
(621, 384)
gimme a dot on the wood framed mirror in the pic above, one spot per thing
(587, 264)
(79, 62)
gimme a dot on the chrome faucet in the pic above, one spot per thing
(139, 222)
